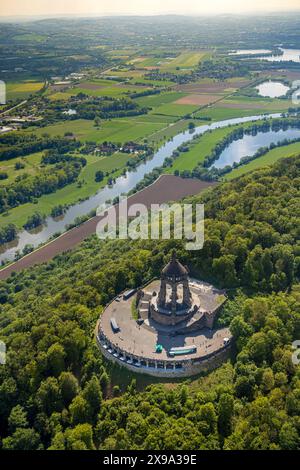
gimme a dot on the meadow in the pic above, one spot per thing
(31, 163)
(85, 187)
(198, 150)
(117, 130)
(268, 159)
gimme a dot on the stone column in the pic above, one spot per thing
(162, 293)
(186, 293)
(174, 296)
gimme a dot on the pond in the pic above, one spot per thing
(272, 89)
(70, 112)
(249, 144)
(123, 185)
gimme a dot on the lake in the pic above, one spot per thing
(288, 55)
(272, 89)
(249, 144)
(250, 52)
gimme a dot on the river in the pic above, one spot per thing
(123, 185)
(248, 145)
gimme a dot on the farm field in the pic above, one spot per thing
(164, 62)
(268, 159)
(153, 101)
(198, 99)
(150, 82)
(166, 188)
(117, 130)
(241, 102)
(213, 86)
(96, 87)
(22, 90)
(175, 109)
(217, 113)
(186, 60)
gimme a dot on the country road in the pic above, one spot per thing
(14, 107)
(165, 188)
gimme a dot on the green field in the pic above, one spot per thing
(31, 162)
(117, 130)
(198, 150)
(153, 101)
(71, 193)
(187, 60)
(221, 114)
(165, 134)
(172, 109)
(30, 37)
(255, 104)
(22, 90)
(184, 60)
(268, 159)
(114, 91)
(156, 83)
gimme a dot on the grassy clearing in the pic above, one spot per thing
(32, 163)
(268, 159)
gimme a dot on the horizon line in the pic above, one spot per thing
(119, 14)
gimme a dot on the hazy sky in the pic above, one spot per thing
(141, 7)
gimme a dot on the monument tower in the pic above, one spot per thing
(174, 302)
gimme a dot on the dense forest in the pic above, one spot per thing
(56, 390)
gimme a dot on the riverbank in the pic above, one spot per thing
(166, 188)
